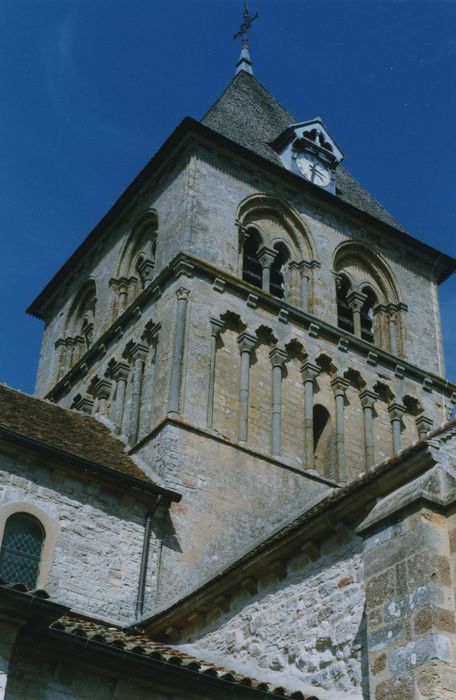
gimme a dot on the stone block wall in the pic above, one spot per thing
(95, 562)
(410, 603)
(223, 184)
(231, 500)
(303, 629)
(196, 205)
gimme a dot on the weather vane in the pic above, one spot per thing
(248, 20)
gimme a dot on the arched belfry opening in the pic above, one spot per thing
(277, 253)
(367, 297)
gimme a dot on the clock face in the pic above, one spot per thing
(313, 169)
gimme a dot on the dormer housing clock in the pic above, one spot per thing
(308, 150)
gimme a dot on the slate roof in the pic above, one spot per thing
(249, 115)
(77, 435)
(139, 644)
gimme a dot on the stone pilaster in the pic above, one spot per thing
(368, 399)
(410, 604)
(246, 342)
(277, 357)
(217, 326)
(309, 372)
(120, 373)
(396, 411)
(103, 392)
(423, 425)
(182, 295)
(339, 386)
(137, 356)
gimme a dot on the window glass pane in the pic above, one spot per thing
(21, 550)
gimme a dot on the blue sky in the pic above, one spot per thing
(91, 88)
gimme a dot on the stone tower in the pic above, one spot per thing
(250, 320)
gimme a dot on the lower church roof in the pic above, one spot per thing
(45, 425)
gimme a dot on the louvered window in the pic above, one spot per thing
(20, 553)
(344, 312)
(251, 268)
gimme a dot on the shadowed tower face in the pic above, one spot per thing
(248, 318)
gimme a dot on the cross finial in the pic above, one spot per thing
(244, 62)
(248, 20)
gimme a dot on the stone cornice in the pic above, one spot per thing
(203, 270)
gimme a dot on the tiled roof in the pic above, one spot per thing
(135, 643)
(249, 115)
(21, 588)
(75, 434)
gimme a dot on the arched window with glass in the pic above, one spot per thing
(20, 553)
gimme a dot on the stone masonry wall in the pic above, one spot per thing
(95, 565)
(304, 631)
(224, 183)
(231, 500)
(167, 197)
(410, 603)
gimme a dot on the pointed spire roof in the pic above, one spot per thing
(249, 115)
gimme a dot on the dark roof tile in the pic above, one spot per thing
(78, 435)
(249, 115)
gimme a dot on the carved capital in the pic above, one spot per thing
(309, 371)
(183, 267)
(120, 371)
(182, 294)
(217, 325)
(246, 341)
(146, 270)
(103, 389)
(277, 357)
(396, 410)
(356, 300)
(424, 425)
(138, 352)
(84, 404)
(266, 256)
(368, 398)
(339, 385)
(150, 333)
